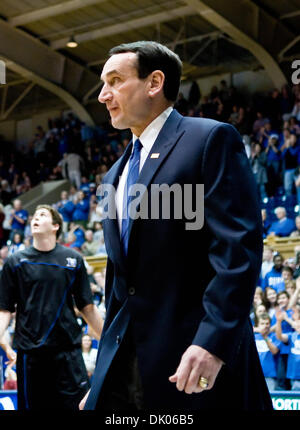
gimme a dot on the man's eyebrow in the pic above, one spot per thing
(111, 72)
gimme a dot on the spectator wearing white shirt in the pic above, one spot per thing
(267, 263)
(89, 354)
(73, 163)
(17, 244)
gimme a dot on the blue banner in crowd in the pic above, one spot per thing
(8, 400)
(286, 400)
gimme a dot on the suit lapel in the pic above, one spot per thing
(166, 140)
(111, 226)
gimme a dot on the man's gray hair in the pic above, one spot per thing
(280, 208)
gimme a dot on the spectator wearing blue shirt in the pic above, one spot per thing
(264, 133)
(286, 322)
(18, 220)
(274, 277)
(66, 208)
(292, 339)
(82, 209)
(80, 236)
(87, 136)
(265, 222)
(89, 188)
(85, 185)
(273, 164)
(75, 237)
(287, 275)
(284, 226)
(267, 347)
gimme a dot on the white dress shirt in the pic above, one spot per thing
(147, 139)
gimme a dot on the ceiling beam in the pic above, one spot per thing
(171, 44)
(17, 101)
(241, 32)
(125, 26)
(15, 82)
(290, 15)
(290, 58)
(61, 93)
(201, 49)
(287, 47)
(33, 60)
(47, 12)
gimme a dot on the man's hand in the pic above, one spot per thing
(82, 403)
(279, 315)
(196, 362)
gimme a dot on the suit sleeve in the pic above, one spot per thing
(233, 220)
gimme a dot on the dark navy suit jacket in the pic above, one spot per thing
(180, 287)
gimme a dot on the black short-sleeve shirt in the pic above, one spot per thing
(44, 286)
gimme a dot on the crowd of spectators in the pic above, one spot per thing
(276, 319)
(270, 128)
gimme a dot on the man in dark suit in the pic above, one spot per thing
(177, 333)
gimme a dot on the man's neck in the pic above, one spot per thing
(155, 112)
(44, 243)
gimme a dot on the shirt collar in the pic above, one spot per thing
(149, 135)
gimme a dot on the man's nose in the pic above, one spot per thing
(105, 94)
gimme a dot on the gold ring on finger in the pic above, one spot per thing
(203, 382)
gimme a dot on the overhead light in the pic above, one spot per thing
(72, 43)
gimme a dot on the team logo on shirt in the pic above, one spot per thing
(262, 346)
(71, 262)
(296, 348)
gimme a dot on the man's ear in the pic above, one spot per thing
(56, 227)
(157, 79)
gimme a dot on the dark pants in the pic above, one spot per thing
(282, 382)
(274, 179)
(51, 379)
(122, 388)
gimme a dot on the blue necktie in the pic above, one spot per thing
(132, 177)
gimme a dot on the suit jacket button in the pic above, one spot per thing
(131, 291)
(118, 340)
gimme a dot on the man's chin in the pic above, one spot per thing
(118, 124)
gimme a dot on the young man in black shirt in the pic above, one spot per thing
(43, 282)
